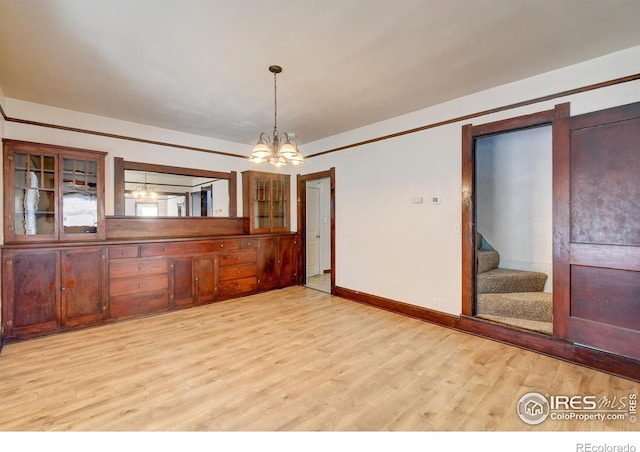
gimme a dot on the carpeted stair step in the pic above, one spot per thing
(537, 306)
(487, 260)
(504, 280)
(533, 325)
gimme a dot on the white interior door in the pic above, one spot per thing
(313, 231)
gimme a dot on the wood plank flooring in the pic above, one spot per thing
(294, 359)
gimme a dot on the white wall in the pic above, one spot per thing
(389, 247)
(514, 198)
(385, 244)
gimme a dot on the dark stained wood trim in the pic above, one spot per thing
(398, 307)
(511, 124)
(469, 135)
(113, 135)
(582, 89)
(181, 171)
(540, 343)
(468, 221)
(301, 181)
(561, 221)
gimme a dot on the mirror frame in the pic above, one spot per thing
(120, 165)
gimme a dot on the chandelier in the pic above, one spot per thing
(270, 149)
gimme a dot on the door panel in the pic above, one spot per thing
(83, 286)
(602, 309)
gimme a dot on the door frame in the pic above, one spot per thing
(555, 117)
(301, 180)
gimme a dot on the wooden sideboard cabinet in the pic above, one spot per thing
(49, 288)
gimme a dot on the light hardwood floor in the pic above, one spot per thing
(291, 359)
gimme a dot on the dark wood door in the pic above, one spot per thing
(30, 293)
(83, 286)
(597, 231)
(206, 278)
(183, 281)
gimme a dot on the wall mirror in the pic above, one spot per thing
(145, 189)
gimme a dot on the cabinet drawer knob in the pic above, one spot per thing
(124, 252)
(9, 322)
(140, 268)
(140, 285)
(164, 249)
(222, 245)
(140, 304)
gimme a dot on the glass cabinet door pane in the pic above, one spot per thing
(79, 196)
(279, 206)
(34, 194)
(262, 201)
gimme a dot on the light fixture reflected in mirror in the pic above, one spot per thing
(268, 149)
(145, 192)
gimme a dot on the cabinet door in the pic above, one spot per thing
(81, 206)
(206, 278)
(83, 288)
(183, 281)
(267, 263)
(266, 201)
(30, 193)
(31, 293)
(288, 260)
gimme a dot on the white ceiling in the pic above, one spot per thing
(200, 66)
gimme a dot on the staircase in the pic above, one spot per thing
(514, 297)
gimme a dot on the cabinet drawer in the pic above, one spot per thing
(238, 286)
(123, 252)
(238, 257)
(138, 267)
(237, 271)
(248, 243)
(130, 286)
(129, 306)
(170, 249)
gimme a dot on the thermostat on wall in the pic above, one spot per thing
(435, 199)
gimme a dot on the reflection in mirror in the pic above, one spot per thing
(150, 193)
(173, 191)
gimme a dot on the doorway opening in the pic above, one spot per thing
(514, 228)
(508, 191)
(316, 220)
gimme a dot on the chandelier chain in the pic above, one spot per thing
(275, 104)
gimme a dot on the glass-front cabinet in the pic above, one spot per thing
(52, 193)
(266, 201)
